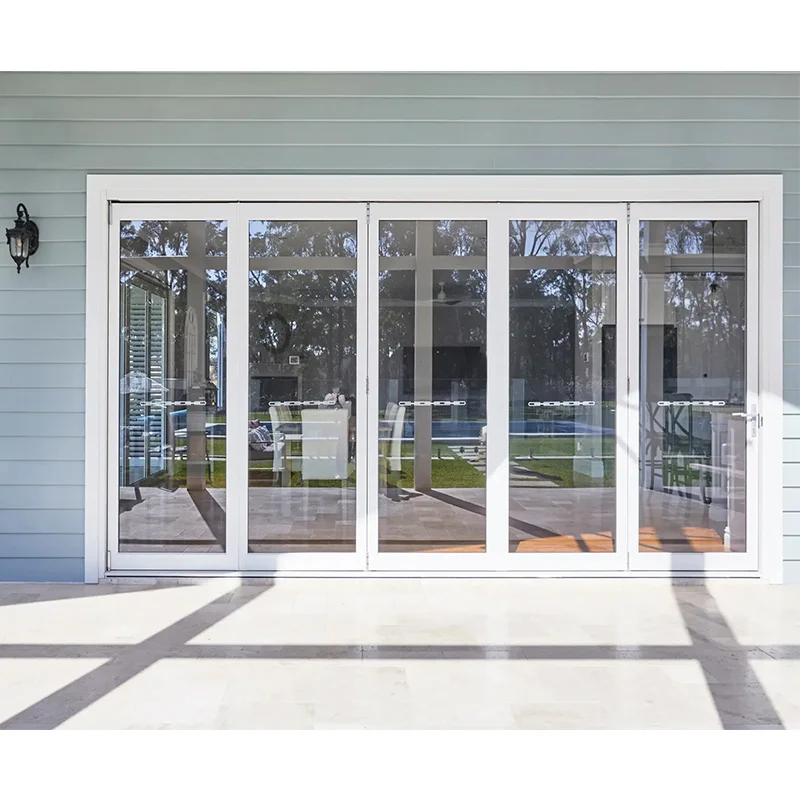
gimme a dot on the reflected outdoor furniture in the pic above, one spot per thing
(392, 428)
(728, 474)
(285, 431)
(670, 432)
(324, 444)
(316, 446)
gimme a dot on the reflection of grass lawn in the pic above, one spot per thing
(446, 473)
(563, 471)
(451, 472)
(178, 477)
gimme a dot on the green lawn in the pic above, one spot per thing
(446, 473)
(563, 471)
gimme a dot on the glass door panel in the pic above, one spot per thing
(562, 386)
(302, 426)
(432, 386)
(169, 305)
(304, 387)
(429, 412)
(697, 424)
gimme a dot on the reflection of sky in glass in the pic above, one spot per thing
(397, 238)
(318, 238)
(562, 238)
(162, 238)
(566, 284)
(692, 237)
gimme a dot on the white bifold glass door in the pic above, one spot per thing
(172, 478)
(236, 379)
(433, 387)
(496, 385)
(693, 288)
(304, 322)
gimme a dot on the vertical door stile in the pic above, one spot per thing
(364, 442)
(371, 366)
(497, 347)
(632, 315)
(237, 384)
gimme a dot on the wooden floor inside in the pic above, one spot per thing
(685, 540)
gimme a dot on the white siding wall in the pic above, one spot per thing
(56, 128)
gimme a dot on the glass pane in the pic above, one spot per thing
(302, 435)
(432, 401)
(173, 279)
(692, 283)
(562, 394)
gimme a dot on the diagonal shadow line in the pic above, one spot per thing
(211, 512)
(526, 527)
(66, 702)
(740, 698)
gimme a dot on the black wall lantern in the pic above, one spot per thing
(23, 238)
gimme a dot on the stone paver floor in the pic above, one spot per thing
(401, 653)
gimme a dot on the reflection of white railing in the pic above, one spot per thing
(559, 403)
(165, 403)
(432, 438)
(296, 403)
(432, 403)
(684, 403)
(563, 458)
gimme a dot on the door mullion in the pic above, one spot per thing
(497, 367)
(237, 388)
(628, 393)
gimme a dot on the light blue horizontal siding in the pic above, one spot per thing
(55, 280)
(791, 498)
(25, 301)
(466, 84)
(56, 128)
(54, 423)
(37, 401)
(791, 548)
(45, 497)
(435, 156)
(56, 545)
(14, 325)
(516, 110)
(791, 523)
(40, 351)
(42, 448)
(41, 473)
(371, 133)
(41, 520)
(791, 427)
(42, 569)
(48, 376)
(791, 569)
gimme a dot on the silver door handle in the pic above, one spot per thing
(754, 418)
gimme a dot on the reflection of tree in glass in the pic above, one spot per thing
(154, 239)
(459, 320)
(702, 299)
(560, 306)
(319, 304)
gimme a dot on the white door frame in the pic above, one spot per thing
(103, 190)
(748, 560)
